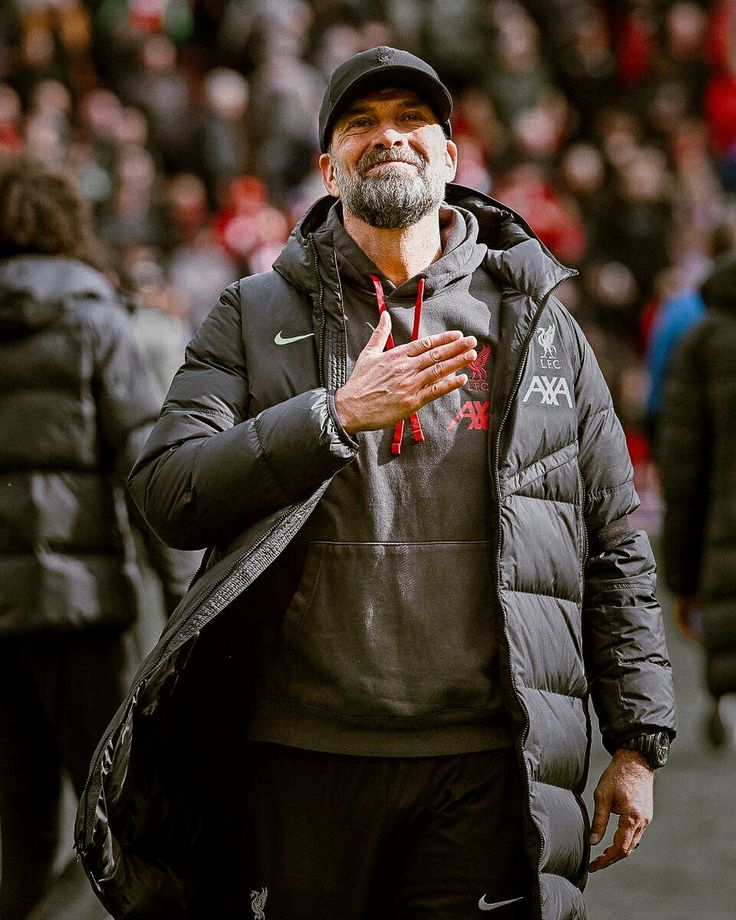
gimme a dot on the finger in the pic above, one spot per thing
(428, 342)
(445, 368)
(605, 859)
(624, 839)
(462, 346)
(624, 843)
(441, 388)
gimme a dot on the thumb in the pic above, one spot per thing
(381, 334)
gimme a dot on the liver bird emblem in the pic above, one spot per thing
(546, 338)
(478, 367)
(258, 902)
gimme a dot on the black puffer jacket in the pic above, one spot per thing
(76, 407)
(697, 456)
(574, 602)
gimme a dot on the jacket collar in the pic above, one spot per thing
(496, 237)
(513, 253)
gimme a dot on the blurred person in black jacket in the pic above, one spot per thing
(697, 460)
(76, 405)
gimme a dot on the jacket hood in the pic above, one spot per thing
(495, 233)
(719, 288)
(33, 289)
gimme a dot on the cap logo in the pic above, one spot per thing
(386, 56)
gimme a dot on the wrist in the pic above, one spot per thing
(345, 416)
(653, 748)
(626, 756)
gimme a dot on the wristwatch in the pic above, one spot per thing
(655, 748)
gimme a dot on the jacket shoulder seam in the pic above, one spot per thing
(557, 597)
(610, 491)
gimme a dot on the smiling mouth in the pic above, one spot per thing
(390, 163)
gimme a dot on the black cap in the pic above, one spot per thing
(376, 69)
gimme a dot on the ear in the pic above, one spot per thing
(329, 179)
(451, 159)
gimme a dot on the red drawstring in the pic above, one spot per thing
(416, 426)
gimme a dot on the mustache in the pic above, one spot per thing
(372, 157)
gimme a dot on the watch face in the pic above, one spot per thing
(661, 748)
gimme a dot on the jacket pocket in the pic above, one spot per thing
(379, 630)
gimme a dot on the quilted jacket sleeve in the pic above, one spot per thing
(125, 400)
(683, 456)
(127, 406)
(209, 468)
(625, 649)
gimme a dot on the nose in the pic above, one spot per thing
(388, 135)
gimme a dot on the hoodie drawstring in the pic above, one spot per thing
(416, 426)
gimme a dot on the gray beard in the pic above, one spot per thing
(390, 201)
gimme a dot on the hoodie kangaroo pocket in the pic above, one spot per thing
(379, 630)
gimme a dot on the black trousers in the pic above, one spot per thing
(334, 837)
(56, 698)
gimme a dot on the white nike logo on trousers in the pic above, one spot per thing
(484, 905)
(283, 340)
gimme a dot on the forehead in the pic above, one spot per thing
(393, 95)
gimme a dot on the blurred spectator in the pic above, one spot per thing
(558, 226)
(636, 226)
(136, 213)
(200, 271)
(583, 177)
(38, 59)
(455, 34)
(285, 99)
(697, 461)
(158, 87)
(583, 53)
(10, 119)
(675, 316)
(76, 407)
(518, 78)
(248, 221)
(699, 203)
(223, 140)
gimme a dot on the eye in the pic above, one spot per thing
(358, 122)
(415, 117)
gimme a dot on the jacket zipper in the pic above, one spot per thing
(583, 503)
(321, 304)
(502, 607)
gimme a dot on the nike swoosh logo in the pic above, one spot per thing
(484, 905)
(287, 340)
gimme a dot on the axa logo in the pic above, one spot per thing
(479, 370)
(550, 390)
(546, 338)
(475, 412)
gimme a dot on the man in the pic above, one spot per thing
(695, 453)
(374, 701)
(76, 407)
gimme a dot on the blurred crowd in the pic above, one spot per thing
(192, 127)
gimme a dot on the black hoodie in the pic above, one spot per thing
(387, 647)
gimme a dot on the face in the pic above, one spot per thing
(389, 159)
